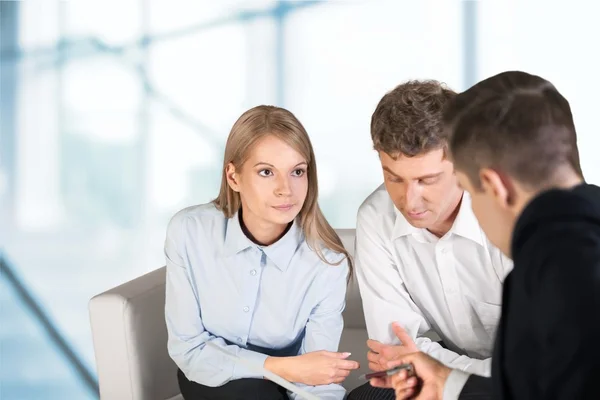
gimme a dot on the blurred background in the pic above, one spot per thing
(114, 116)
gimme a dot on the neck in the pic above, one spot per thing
(261, 232)
(525, 195)
(447, 219)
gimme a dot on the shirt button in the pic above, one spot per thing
(240, 340)
(445, 250)
(253, 272)
(246, 309)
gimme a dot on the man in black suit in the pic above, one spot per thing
(514, 147)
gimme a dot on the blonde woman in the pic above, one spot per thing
(258, 271)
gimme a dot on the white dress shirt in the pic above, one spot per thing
(255, 301)
(451, 285)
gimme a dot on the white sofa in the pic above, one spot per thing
(130, 337)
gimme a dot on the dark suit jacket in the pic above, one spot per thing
(548, 341)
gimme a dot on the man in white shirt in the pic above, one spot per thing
(422, 259)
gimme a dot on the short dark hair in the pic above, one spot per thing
(408, 120)
(516, 122)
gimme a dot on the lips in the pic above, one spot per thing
(417, 214)
(284, 207)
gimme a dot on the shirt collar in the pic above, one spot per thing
(235, 239)
(402, 227)
(280, 252)
(465, 224)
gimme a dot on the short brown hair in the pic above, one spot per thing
(515, 122)
(408, 120)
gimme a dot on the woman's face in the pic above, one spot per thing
(272, 183)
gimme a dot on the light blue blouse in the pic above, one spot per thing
(255, 300)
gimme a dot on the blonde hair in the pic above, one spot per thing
(252, 126)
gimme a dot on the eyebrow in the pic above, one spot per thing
(272, 166)
(434, 175)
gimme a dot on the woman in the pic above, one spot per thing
(258, 271)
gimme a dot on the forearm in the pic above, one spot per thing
(210, 367)
(281, 366)
(284, 367)
(455, 360)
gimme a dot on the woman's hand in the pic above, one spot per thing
(315, 368)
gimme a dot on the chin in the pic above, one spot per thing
(282, 217)
(419, 222)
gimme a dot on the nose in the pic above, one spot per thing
(283, 187)
(412, 196)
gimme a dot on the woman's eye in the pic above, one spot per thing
(265, 172)
(299, 172)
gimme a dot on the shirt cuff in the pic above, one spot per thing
(454, 384)
(240, 370)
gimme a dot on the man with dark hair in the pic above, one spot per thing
(421, 258)
(514, 146)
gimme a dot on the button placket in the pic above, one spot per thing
(447, 271)
(250, 291)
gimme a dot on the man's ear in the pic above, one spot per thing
(232, 177)
(498, 185)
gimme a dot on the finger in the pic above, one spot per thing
(395, 363)
(402, 375)
(403, 336)
(343, 373)
(373, 357)
(376, 359)
(347, 364)
(404, 394)
(403, 384)
(338, 376)
(411, 383)
(380, 382)
(395, 352)
(399, 378)
(335, 355)
(375, 346)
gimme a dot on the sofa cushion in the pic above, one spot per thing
(354, 316)
(354, 341)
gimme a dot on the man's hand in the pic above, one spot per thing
(432, 376)
(380, 354)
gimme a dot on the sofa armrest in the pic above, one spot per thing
(130, 340)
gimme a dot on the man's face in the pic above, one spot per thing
(491, 208)
(423, 188)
